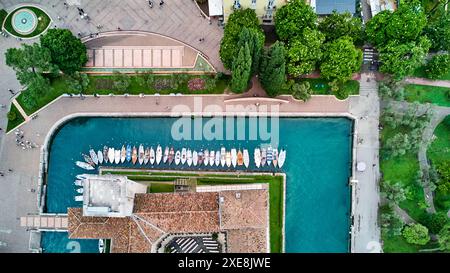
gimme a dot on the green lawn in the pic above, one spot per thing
(427, 94)
(161, 187)
(276, 192)
(439, 151)
(321, 87)
(3, 15)
(19, 119)
(102, 86)
(420, 73)
(43, 22)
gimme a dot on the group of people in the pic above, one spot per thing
(25, 144)
(150, 3)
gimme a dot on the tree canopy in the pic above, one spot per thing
(304, 52)
(241, 70)
(239, 19)
(255, 42)
(66, 50)
(292, 18)
(336, 25)
(438, 66)
(273, 69)
(341, 59)
(438, 31)
(416, 234)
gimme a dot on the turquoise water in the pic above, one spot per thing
(24, 21)
(59, 242)
(317, 168)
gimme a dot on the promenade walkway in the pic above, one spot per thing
(423, 81)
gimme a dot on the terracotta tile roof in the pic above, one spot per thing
(175, 202)
(249, 210)
(250, 240)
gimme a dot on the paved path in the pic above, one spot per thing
(403, 215)
(423, 81)
(20, 109)
(366, 108)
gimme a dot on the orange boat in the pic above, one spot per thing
(240, 158)
(134, 156)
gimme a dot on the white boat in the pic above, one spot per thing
(84, 165)
(100, 157)
(200, 158)
(111, 155)
(194, 158)
(246, 158)
(233, 157)
(212, 156)
(269, 156)
(79, 198)
(80, 190)
(101, 246)
(78, 183)
(222, 156)
(81, 176)
(166, 154)
(228, 159)
(275, 157)
(93, 155)
(257, 157)
(152, 156)
(158, 154)
(177, 157)
(146, 155)
(141, 154)
(217, 159)
(281, 158)
(123, 154)
(183, 156)
(206, 157)
(189, 157)
(263, 156)
(117, 156)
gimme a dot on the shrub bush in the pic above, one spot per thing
(12, 115)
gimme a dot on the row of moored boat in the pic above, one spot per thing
(262, 157)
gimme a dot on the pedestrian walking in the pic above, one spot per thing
(161, 3)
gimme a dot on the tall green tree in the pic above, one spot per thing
(273, 69)
(401, 60)
(78, 82)
(376, 28)
(292, 18)
(416, 234)
(236, 22)
(304, 52)
(438, 66)
(438, 31)
(255, 40)
(67, 51)
(336, 25)
(241, 70)
(341, 59)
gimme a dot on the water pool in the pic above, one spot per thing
(317, 168)
(59, 242)
(24, 21)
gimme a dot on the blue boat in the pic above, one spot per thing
(269, 156)
(128, 152)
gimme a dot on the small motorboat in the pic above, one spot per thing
(93, 155)
(134, 155)
(217, 159)
(141, 154)
(246, 158)
(105, 154)
(117, 156)
(212, 156)
(88, 160)
(281, 158)
(275, 157)
(222, 156)
(171, 155)
(166, 154)
(79, 198)
(233, 157)
(257, 157)
(123, 154)
(194, 158)
(206, 157)
(101, 246)
(189, 157)
(228, 159)
(183, 156)
(111, 155)
(84, 165)
(78, 183)
(81, 176)
(152, 156)
(177, 157)
(128, 153)
(269, 156)
(80, 190)
(100, 157)
(200, 158)
(240, 158)
(263, 156)
(146, 155)
(158, 154)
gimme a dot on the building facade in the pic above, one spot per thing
(265, 9)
